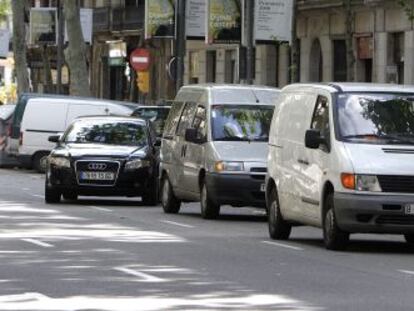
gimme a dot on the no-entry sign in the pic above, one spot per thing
(140, 59)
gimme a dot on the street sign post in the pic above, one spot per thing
(140, 59)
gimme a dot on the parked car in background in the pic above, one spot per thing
(103, 156)
(6, 114)
(156, 114)
(340, 159)
(37, 118)
(214, 147)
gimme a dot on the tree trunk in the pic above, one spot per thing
(294, 49)
(350, 57)
(19, 45)
(76, 51)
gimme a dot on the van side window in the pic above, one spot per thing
(186, 118)
(172, 120)
(199, 122)
(320, 119)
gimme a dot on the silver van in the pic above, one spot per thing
(214, 147)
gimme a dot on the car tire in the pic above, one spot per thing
(409, 238)
(51, 194)
(70, 196)
(170, 204)
(209, 209)
(279, 229)
(334, 238)
(39, 162)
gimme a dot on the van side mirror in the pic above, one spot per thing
(313, 139)
(191, 135)
(54, 138)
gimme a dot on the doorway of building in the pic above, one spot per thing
(316, 62)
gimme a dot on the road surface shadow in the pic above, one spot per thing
(133, 202)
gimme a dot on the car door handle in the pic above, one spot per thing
(303, 161)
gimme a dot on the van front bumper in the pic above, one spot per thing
(236, 190)
(360, 213)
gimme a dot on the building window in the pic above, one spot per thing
(230, 66)
(193, 67)
(340, 64)
(316, 62)
(211, 60)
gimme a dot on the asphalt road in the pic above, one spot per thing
(100, 254)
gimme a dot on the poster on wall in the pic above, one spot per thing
(159, 19)
(43, 26)
(4, 43)
(224, 21)
(86, 17)
(196, 19)
(273, 20)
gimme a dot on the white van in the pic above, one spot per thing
(43, 117)
(341, 158)
(214, 147)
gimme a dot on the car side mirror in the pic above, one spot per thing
(313, 139)
(54, 138)
(191, 135)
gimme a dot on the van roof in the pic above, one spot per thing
(351, 87)
(83, 100)
(228, 86)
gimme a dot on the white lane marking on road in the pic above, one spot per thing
(102, 209)
(39, 243)
(283, 245)
(38, 196)
(176, 224)
(406, 272)
(26, 189)
(144, 277)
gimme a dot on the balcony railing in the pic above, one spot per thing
(118, 19)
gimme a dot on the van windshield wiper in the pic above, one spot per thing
(233, 138)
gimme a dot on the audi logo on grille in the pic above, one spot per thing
(97, 166)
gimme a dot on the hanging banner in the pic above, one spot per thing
(273, 20)
(4, 43)
(224, 21)
(196, 19)
(43, 26)
(159, 19)
(86, 18)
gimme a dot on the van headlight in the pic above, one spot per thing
(136, 164)
(367, 183)
(227, 166)
(60, 162)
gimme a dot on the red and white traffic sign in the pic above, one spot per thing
(140, 59)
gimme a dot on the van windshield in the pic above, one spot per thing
(241, 122)
(106, 132)
(376, 118)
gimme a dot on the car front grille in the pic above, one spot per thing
(97, 167)
(393, 183)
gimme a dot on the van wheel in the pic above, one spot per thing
(279, 229)
(51, 194)
(70, 196)
(209, 209)
(334, 237)
(409, 238)
(170, 204)
(40, 162)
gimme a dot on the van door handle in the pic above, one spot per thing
(304, 162)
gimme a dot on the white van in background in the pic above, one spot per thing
(47, 116)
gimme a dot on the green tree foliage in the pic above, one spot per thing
(4, 9)
(407, 6)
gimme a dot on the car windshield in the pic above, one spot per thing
(241, 122)
(376, 118)
(156, 115)
(121, 133)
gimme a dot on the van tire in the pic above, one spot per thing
(170, 204)
(334, 238)
(39, 162)
(51, 194)
(409, 238)
(279, 229)
(209, 209)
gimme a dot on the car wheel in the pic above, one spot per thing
(279, 229)
(51, 194)
(70, 196)
(209, 209)
(170, 204)
(409, 238)
(334, 237)
(40, 162)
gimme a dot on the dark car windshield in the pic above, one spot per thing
(241, 122)
(121, 133)
(376, 118)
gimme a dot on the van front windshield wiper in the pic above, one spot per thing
(233, 138)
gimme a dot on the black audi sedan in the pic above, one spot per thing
(104, 156)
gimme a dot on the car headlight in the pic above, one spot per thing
(60, 162)
(226, 166)
(361, 182)
(136, 164)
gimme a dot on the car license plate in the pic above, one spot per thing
(409, 209)
(97, 176)
(263, 187)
